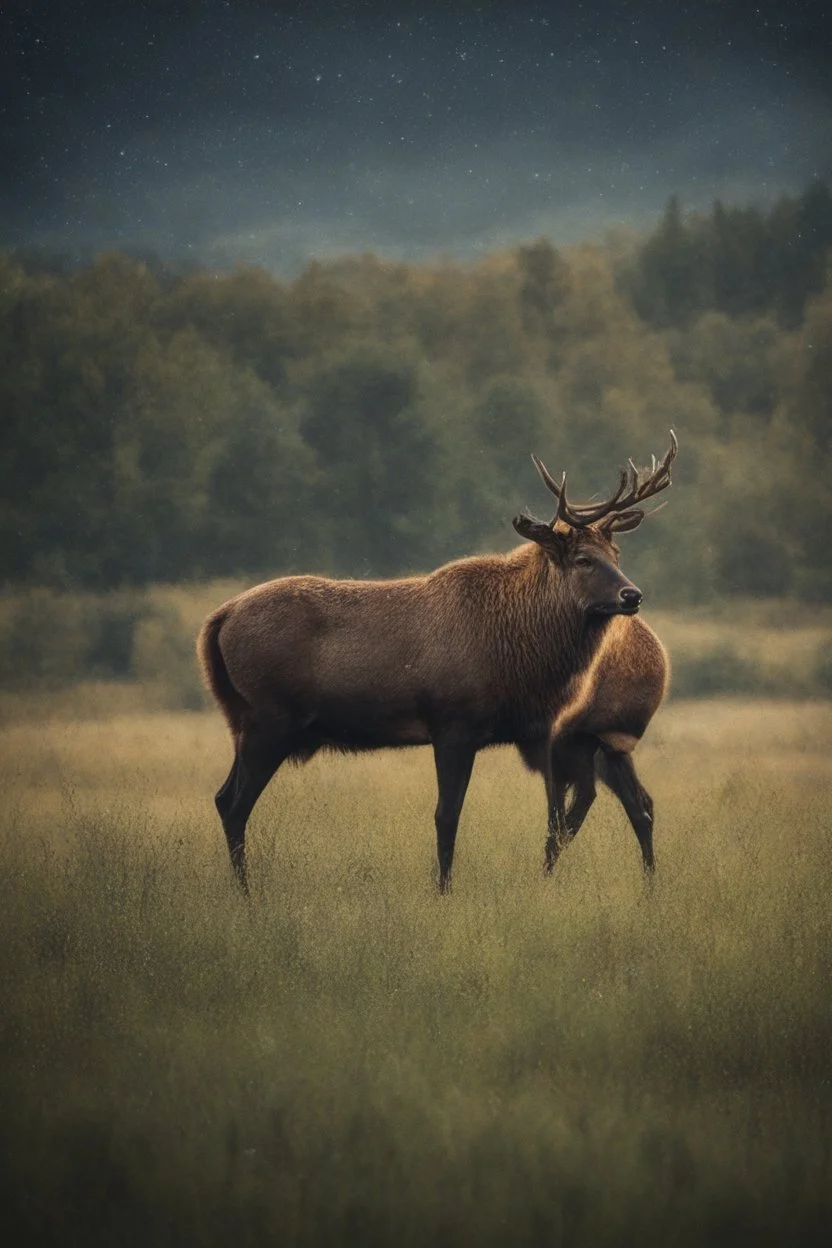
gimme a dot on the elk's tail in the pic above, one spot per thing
(215, 673)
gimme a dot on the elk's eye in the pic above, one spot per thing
(583, 561)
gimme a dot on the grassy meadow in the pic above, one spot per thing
(351, 1059)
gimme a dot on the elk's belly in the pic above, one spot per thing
(373, 729)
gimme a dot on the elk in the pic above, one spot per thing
(486, 650)
(611, 702)
(596, 731)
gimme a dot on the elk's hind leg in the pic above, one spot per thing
(454, 761)
(618, 772)
(257, 757)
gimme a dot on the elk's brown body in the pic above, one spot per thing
(488, 650)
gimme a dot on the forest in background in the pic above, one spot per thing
(371, 418)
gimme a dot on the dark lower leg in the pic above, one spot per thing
(454, 762)
(620, 774)
(256, 762)
(571, 765)
(581, 767)
(225, 791)
(557, 832)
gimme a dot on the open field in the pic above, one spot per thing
(350, 1059)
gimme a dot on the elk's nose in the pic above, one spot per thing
(630, 597)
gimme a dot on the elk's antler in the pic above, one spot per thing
(621, 512)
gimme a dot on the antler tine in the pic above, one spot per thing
(583, 510)
(548, 480)
(577, 517)
(583, 514)
(658, 478)
(671, 453)
(619, 510)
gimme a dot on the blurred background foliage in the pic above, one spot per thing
(371, 418)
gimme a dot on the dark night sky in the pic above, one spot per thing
(276, 131)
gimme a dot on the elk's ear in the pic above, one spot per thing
(536, 531)
(624, 522)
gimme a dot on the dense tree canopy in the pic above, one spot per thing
(372, 417)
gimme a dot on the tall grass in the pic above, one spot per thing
(351, 1059)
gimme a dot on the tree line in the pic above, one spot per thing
(369, 417)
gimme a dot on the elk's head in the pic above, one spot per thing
(580, 537)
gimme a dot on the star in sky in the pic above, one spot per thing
(276, 132)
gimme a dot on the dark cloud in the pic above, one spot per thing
(276, 131)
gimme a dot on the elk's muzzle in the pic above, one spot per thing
(630, 599)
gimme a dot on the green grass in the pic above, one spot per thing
(351, 1059)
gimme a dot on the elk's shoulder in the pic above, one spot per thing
(636, 651)
(621, 687)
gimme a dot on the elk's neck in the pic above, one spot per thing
(556, 640)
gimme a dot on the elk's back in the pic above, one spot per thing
(356, 664)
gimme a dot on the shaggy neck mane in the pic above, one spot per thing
(538, 635)
(560, 639)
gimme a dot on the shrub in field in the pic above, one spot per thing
(163, 656)
(114, 619)
(50, 639)
(822, 675)
(42, 640)
(723, 670)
